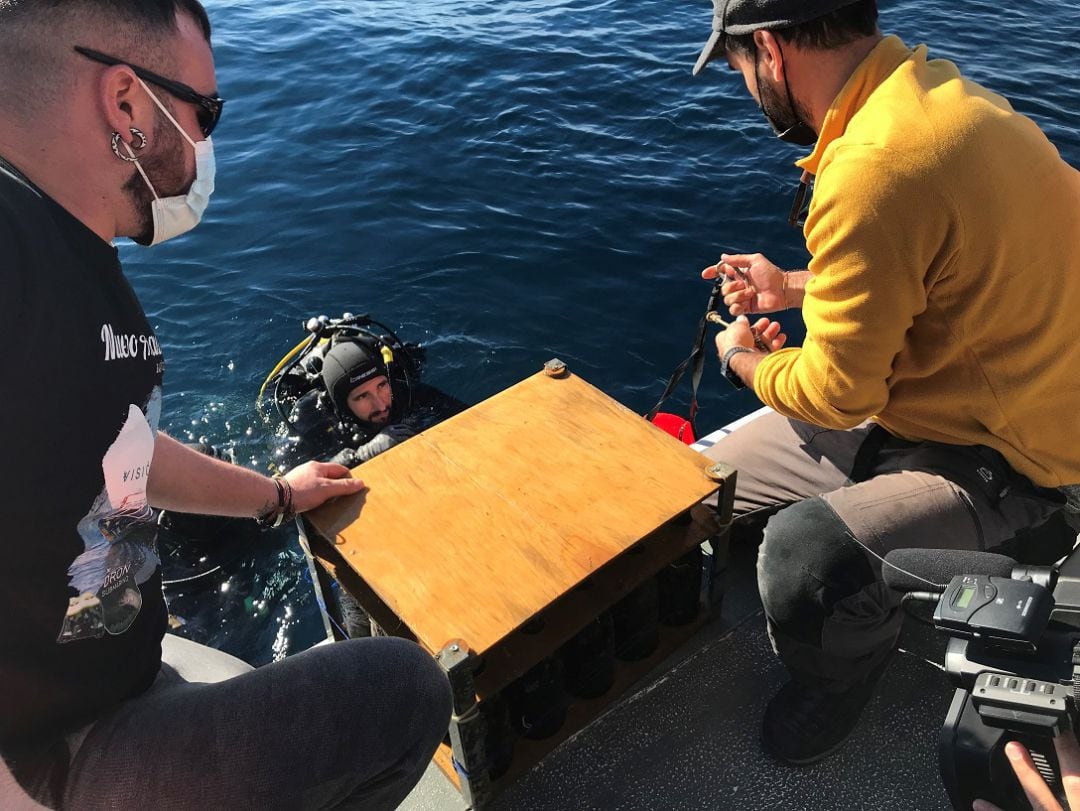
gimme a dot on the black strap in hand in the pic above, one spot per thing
(695, 362)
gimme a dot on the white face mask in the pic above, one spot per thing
(174, 216)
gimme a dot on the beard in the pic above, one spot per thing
(163, 163)
(380, 419)
(780, 109)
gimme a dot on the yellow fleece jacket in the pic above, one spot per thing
(944, 297)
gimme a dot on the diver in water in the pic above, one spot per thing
(369, 400)
(348, 395)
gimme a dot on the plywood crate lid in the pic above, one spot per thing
(470, 528)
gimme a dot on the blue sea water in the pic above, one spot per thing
(504, 182)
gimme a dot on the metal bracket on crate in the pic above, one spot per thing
(716, 564)
(468, 730)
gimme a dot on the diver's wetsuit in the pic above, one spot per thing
(324, 438)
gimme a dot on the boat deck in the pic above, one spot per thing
(687, 737)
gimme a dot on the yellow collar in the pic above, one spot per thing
(886, 57)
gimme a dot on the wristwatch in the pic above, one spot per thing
(727, 371)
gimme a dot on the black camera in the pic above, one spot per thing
(1014, 656)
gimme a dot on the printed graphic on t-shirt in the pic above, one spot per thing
(119, 536)
(122, 345)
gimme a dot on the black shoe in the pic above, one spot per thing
(805, 724)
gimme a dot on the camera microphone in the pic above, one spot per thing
(932, 569)
(975, 594)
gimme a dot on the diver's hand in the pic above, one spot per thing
(346, 457)
(1038, 793)
(314, 483)
(754, 284)
(383, 441)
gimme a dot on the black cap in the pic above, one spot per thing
(347, 364)
(739, 17)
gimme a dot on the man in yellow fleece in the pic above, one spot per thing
(935, 401)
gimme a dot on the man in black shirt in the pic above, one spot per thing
(106, 108)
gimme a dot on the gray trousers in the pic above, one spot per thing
(348, 725)
(831, 619)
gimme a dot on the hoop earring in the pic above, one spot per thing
(115, 143)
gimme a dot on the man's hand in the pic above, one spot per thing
(184, 480)
(1038, 793)
(741, 333)
(316, 482)
(754, 284)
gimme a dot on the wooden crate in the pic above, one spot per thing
(496, 536)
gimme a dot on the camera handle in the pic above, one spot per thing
(1022, 705)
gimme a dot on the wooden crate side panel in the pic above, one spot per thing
(558, 622)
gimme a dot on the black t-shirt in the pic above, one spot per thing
(81, 609)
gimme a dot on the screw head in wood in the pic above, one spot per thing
(554, 368)
(718, 472)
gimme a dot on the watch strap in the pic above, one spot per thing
(725, 366)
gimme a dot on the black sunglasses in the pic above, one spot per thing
(207, 108)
